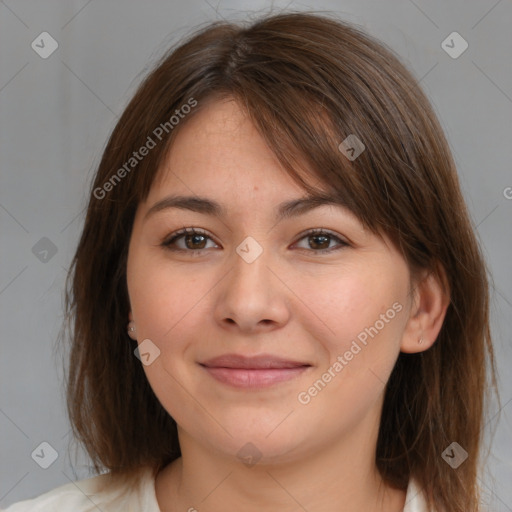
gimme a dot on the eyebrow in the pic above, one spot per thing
(287, 209)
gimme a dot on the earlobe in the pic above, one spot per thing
(131, 329)
(429, 305)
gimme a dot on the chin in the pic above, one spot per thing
(250, 446)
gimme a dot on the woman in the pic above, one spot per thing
(277, 217)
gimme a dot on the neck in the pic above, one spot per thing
(340, 477)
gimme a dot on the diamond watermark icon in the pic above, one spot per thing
(249, 454)
(454, 45)
(454, 455)
(44, 45)
(147, 352)
(352, 147)
(45, 455)
(249, 249)
(44, 250)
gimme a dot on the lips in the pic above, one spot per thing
(252, 363)
(254, 372)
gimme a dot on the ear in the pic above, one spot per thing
(430, 301)
(130, 316)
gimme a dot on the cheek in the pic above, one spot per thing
(358, 315)
(346, 300)
(159, 293)
(164, 303)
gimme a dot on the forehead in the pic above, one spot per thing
(220, 166)
(220, 148)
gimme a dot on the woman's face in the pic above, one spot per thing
(253, 283)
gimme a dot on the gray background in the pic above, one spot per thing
(57, 113)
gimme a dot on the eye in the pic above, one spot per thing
(194, 241)
(321, 240)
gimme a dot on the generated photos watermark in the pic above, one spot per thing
(305, 397)
(137, 156)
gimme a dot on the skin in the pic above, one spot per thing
(291, 302)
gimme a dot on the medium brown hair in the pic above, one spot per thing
(307, 82)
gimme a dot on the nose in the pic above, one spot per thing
(252, 297)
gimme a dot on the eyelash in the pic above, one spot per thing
(167, 244)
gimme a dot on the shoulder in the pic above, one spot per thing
(93, 494)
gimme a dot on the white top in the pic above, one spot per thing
(83, 496)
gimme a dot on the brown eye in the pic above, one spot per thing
(195, 241)
(319, 241)
(192, 240)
